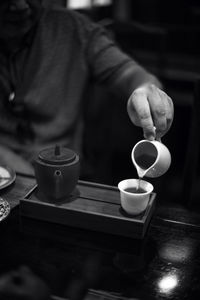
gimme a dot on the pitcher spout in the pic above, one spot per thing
(141, 172)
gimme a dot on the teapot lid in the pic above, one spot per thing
(57, 155)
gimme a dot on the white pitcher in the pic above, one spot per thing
(151, 158)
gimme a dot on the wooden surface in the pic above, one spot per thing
(163, 265)
(89, 207)
(18, 189)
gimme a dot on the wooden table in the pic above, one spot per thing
(165, 264)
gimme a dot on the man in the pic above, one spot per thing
(47, 58)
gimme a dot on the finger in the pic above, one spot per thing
(169, 110)
(131, 111)
(158, 110)
(143, 112)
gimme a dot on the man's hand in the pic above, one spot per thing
(150, 108)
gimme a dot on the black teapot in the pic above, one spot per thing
(57, 171)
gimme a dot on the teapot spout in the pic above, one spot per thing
(58, 180)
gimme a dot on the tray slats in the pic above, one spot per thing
(91, 206)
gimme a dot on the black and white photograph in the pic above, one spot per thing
(99, 150)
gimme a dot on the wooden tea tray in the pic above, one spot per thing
(91, 206)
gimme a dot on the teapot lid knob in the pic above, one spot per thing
(57, 155)
(57, 150)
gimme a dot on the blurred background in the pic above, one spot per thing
(164, 37)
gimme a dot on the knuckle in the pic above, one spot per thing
(139, 93)
(160, 112)
(170, 102)
(144, 115)
(152, 87)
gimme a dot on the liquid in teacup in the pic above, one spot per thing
(135, 190)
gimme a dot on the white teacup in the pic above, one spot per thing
(151, 158)
(134, 195)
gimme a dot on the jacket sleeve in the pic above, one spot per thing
(111, 66)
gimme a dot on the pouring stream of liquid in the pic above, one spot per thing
(141, 173)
